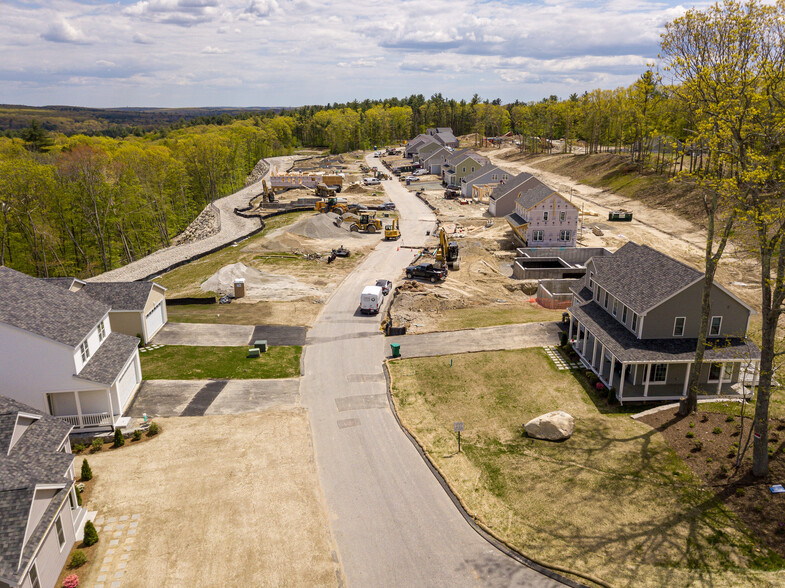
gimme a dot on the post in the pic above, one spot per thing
(78, 409)
(719, 381)
(459, 441)
(647, 375)
(686, 380)
(621, 384)
(458, 427)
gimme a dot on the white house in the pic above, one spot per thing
(58, 353)
(40, 516)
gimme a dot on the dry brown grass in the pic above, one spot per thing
(613, 500)
(225, 501)
(277, 312)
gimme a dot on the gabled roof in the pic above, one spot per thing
(533, 192)
(445, 137)
(46, 309)
(464, 154)
(105, 365)
(34, 460)
(641, 277)
(510, 185)
(441, 152)
(428, 147)
(120, 295)
(487, 169)
(67, 283)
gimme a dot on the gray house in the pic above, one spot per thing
(413, 146)
(487, 174)
(462, 163)
(502, 198)
(425, 150)
(634, 322)
(444, 136)
(40, 518)
(434, 161)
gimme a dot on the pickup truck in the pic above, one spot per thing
(426, 270)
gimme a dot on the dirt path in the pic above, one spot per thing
(658, 228)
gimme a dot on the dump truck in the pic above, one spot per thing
(447, 254)
(391, 231)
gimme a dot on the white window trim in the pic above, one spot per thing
(615, 307)
(634, 322)
(565, 235)
(37, 582)
(728, 366)
(624, 310)
(84, 350)
(59, 531)
(719, 328)
(540, 233)
(605, 301)
(101, 331)
(683, 325)
(650, 373)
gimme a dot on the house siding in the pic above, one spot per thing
(659, 321)
(503, 205)
(128, 322)
(552, 228)
(50, 560)
(93, 343)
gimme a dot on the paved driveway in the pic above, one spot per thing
(481, 339)
(202, 334)
(211, 397)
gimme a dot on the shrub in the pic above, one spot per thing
(563, 339)
(71, 581)
(87, 473)
(90, 534)
(153, 430)
(704, 418)
(690, 435)
(78, 448)
(98, 444)
(731, 453)
(729, 418)
(724, 469)
(717, 431)
(137, 434)
(740, 492)
(709, 460)
(77, 559)
(119, 439)
(599, 386)
(697, 445)
(692, 424)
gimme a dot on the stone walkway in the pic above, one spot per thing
(558, 358)
(121, 534)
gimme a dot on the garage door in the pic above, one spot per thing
(127, 382)
(154, 320)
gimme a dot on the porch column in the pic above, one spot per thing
(686, 380)
(621, 384)
(569, 339)
(602, 358)
(585, 337)
(719, 380)
(78, 408)
(635, 375)
(647, 375)
(111, 410)
(593, 352)
(610, 376)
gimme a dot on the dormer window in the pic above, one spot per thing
(84, 349)
(591, 280)
(634, 323)
(624, 314)
(615, 307)
(607, 297)
(101, 331)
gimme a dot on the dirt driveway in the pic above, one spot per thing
(223, 501)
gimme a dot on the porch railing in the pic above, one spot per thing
(96, 419)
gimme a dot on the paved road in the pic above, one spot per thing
(204, 334)
(481, 339)
(166, 398)
(393, 523)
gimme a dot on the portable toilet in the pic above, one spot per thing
(239, 287)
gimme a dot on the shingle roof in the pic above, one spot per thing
(642, 277)
(62, 282)
(488, 168)
(46, 309)
(446, 137)
(516, 220)
(464, 154)
(33, 460)
(510, 185)
(441, 152)
(626, 347)
(120, 295)
(534, 192)
(104, 367)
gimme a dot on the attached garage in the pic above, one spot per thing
(138, 308)
(128, 381)
(154, 320)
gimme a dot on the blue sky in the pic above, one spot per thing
(173, 53)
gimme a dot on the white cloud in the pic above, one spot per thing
(262, 8)
(214, 50)
(64, 32)
(142, 39)
(184, 13)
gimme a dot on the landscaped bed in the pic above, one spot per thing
(183, 362)
(613, 501)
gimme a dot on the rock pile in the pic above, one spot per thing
(258, 172)
(207, 224)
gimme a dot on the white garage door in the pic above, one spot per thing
(154, 320)
(127, 383)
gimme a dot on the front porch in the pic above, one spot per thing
(85, 410)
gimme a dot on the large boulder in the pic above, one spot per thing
(554, 426)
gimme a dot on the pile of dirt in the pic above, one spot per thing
(258, 285)
(321, 226)
(355, 189)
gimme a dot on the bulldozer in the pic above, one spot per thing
(364, 223)
(447, 253)
(392, 231)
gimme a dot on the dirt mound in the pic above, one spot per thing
(321, 226)
(258, 285)
(355, 189)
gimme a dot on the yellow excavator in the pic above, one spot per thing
(391, 231)
(447, 254)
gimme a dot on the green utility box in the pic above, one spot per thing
(261, 345)
(253, 352)
(620, 215)
(396, 349)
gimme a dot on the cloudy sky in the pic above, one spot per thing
(290, 52)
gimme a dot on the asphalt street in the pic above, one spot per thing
(393, 523)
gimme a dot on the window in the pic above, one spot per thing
(634, 323)
(606, 300)
(464, 169)
(597, 297)
(71, 500)
(624, 314)
(494, 177)
(565, 235)
(84, 349)
(716, 368)
(537, 236)
(545, 215)
(716, 325)
(615, 307)
(678, 326)
(34, 581)
(591, 280)
(60, 534)
(101, 331)
(562, 216)
(659, 373)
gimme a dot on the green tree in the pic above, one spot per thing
(36, 137)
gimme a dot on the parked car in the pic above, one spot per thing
(387, 206)
(371, 181)
(411, 178)
(385, 285)
(426, 270)
(420, 172)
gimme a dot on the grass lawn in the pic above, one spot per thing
(182, 362)
(455, 319)
(613, 501)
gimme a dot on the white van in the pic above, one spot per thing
(371, 300)
(371, 181)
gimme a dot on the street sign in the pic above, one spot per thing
(456, 427)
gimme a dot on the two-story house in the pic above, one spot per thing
(634, 322)
(40, 517)
(413, 145)
(59, 354)
(444, 136)
(434, 161)
(462, 163)
(487, 175)
(542, 217)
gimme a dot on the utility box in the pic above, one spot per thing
(239, 287)
(261, 345)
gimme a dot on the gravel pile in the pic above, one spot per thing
(258, 285)
(321, 226)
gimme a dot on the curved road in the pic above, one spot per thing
(393, 523)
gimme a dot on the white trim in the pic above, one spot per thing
(59, 529)
(719, 329)
(683, 325)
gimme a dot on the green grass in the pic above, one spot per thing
(490, 316)
(613, 500)
(181, 362)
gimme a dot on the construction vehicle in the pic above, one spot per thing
(392, 231)
(364, 223)
(447, 253)
(269, 195)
